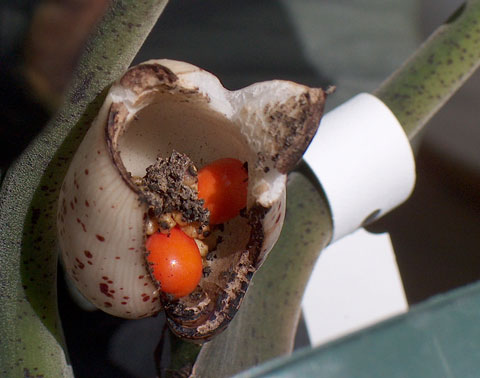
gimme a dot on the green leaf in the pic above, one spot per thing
(30, 331)
(267, 321)
(438, 338)
(433, 74)
(177, 359)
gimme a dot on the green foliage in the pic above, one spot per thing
(432, 75)
(438, 338)
(30, 332)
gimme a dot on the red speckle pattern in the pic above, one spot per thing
(82, 224)
(77, 207)
(81, 265)
(105, 290)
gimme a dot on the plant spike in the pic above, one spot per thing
(30, 333)
(418, 89)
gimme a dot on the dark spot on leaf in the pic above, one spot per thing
(35, 215)
(79, 93)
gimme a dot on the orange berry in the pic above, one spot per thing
(175, 262)
(223, 186)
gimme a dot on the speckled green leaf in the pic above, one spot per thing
(30, 332)
(432, 75)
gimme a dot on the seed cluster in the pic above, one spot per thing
(170, 189)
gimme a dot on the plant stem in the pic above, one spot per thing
(266, 324)
(432, 75)
(30, 333)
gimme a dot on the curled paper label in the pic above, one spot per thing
(364, 162)
(355, 283)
